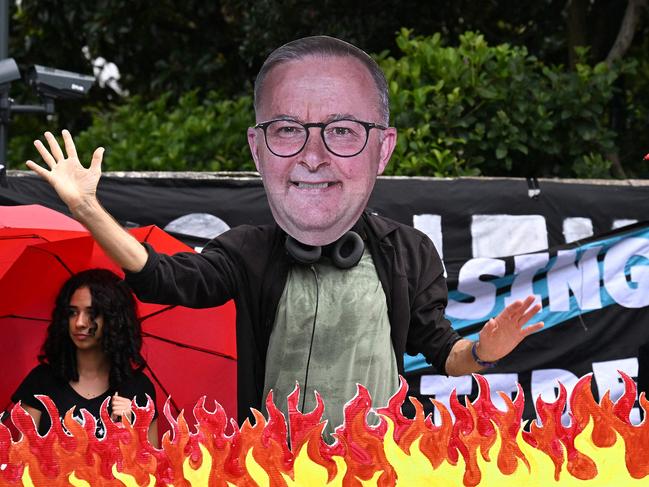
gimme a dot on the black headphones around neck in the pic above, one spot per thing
(345, 252)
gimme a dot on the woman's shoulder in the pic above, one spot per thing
(40, 380)
(42, 371)
(138, 382)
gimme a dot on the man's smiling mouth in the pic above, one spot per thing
(304, 185)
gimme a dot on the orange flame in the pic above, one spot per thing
(481, 446)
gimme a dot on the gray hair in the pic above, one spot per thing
(327, 47)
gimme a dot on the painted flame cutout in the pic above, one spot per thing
(482, 446)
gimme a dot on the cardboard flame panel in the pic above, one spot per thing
(482, 445)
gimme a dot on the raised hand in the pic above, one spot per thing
(121, 406)
(501, 334)
(74, 183)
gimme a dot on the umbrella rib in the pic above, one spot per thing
(25, 318)
(23, 237)
(157, 312)
(180, 344)
(163, 388)
(191, 347)
(148, 234)
(56, 257)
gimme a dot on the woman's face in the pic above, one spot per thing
(85, 329)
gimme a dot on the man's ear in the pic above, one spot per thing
(388, 144)
(254, 148)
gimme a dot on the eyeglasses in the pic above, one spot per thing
(343, 138)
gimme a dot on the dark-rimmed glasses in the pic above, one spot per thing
(343, 138)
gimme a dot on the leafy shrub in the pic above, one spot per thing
(466, 110)
(166, 135)
(476, 109)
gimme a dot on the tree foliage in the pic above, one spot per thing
(496, 110)
(466, 110)
(189, 134)
(167, 49)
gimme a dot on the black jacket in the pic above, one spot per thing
(249, 264)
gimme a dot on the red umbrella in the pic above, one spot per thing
(189, 352)
(21, 226)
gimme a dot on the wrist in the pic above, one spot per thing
(85, 209)
(478, 360)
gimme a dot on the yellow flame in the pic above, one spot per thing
(541, 472)
(27, 480)
(415, 468)
(129, 481)
(610, 461)
(200, 476)
(308, 472)
(77, 482)
(257, 473)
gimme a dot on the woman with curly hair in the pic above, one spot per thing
(91, 352)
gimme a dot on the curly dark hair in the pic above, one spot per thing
(122, 334)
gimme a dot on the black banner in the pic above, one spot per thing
(499, 239)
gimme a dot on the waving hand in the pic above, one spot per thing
(74, 183)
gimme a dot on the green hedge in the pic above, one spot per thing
(476, 109)
(466, 110)
(186, 135)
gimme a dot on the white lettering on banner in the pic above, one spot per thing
(441, 387)
(431, 225)
(577, 228)
(526, 266)
(484, 293)
(581, 278)
(633, 293)
(622, 222)
(503, 235)
(607, 378)
(544, 383)
(507, 383)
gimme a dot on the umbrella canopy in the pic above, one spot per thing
(189, 352)
(21, 226)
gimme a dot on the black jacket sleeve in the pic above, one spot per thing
(430, 332)
(203, 280)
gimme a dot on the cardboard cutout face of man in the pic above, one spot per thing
(316, 196)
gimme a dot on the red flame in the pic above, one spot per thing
(73, 447)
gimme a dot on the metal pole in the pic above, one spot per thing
(4, 53)
(4, 29)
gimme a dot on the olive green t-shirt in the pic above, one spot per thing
(351, 341)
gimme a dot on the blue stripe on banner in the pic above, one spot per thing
(540, 287)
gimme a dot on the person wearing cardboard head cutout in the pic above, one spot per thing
(330, 294)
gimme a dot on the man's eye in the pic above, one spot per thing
(286, 130)
(340, 131)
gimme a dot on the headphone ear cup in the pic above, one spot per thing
(304, 254)
(348, 250)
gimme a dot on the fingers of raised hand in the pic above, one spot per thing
(97, 157)
(55, 148)
(529, 313)
(69, 144)
(45, 154)
(44, 173)
(519, 312)
(528, 330)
